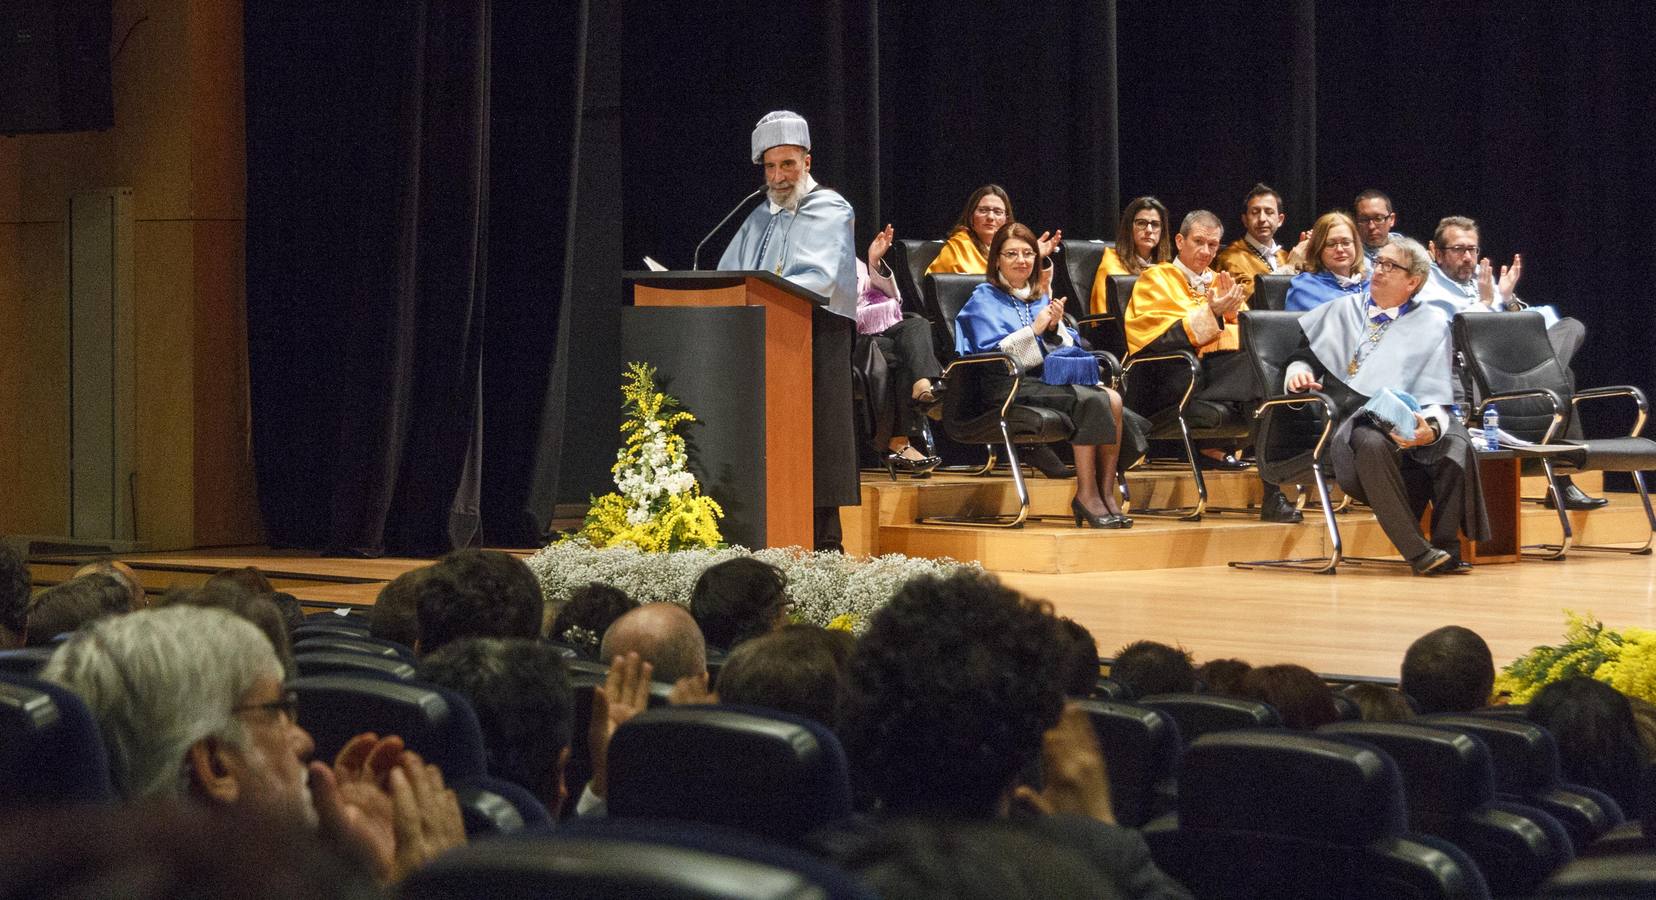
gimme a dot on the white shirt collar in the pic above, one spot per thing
(1197, 283)
(806, 185)
(1375, 310)
(1262, 249)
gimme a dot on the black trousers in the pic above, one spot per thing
(1398, 484)
(909, 356)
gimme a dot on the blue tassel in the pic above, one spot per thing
(1070, 365)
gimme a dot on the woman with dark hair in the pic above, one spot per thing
(1598, 739)
(967, 247)
(739, 599)
(1304, 701)
(1143, 229)
(589, 612)
(1013, 312)
(1333, 264)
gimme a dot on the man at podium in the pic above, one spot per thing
(803, 232)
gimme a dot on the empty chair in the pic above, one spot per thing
(1199, 714)
(25, 660)
(434, 722)
(606, 859)
(341, 628)
(1077, 270)
(1281, 814)
(369, 645)
(1141, 751)
(51, 753)
(1526, 771)
(739, 767)
(1623, 877)
(319, 662)
(1449, 788)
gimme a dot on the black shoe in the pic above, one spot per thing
(1044, 459)
(1109, 520)
(1432, 561)
(1276, 508)
(919, 468)
(1226, 463)
(1575, 498)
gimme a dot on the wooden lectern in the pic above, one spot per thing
(735, 349)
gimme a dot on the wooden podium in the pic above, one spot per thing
(735, 349)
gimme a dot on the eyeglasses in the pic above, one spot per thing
(1017, 254)
(1462, 248)
(990, 212)
(1339, 244)
(1385, 265)
(288, 705)
(1146, 224)
(1375, 220)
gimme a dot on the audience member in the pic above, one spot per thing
(190, 705)
(799, 670)
(1013, 312)
(1374, 219)
(477, 593)
(1333, 267)
(905, 342)
(521, 693)
(121, 572)
(665, 635)
(65, 607)
(739, 599)
(1256, 252)
(14, 598)
(394, 615)
(1077, 659)
(1142, 240)
(1222, 676)
(966, 251)
(250, 579)
(1449, 669)
(255, 608)
(1598, 738)
(1303, 700)
(1378, 703)
(1184, 306)
(589, 612)
(915, 859)
(1147, 667)
(1644, 719)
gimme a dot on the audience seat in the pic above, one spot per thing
(613, 860)
(732, 766)
(1270, 292)
(1107, 688)
(434, 722)
(583, 677)
(341, 629)
(323, 662)
(1199, 714)
(1525, 757)
(25, 660)
(1281, 814)
(494, 806)
(350, 616)
(1623, 877)
(50, 751)
(369, 645)
(1141, 752)
(1449, 789)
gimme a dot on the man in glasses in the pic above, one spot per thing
(1256, 252)
(1375, 219)
(1458, 282)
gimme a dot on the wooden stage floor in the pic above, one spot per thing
(1355, 623)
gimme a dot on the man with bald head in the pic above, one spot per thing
(664, 635)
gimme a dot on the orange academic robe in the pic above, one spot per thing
(1239, 259)
(1111, 264)
(1162, 299)
(960, 254)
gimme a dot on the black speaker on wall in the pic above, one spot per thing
(54, 66)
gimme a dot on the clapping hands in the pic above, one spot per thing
(877, 248)
(1049, 316)
(1226, 298)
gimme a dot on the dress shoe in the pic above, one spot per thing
(1432, 561)
(1575, 498)
(1110, 520)
(920, 467)
(1226, 463)
(1276, 508)
(1044, 459)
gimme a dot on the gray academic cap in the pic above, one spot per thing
(779, 128)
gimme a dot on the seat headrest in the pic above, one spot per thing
(1199, 714)
(1142, 747)
(361, 664)
(952, 290)
(1445, 773)
(740, 767)
(1525, 755)
(25, 660)
(434, 722)
(1290, 784)
(51, 753)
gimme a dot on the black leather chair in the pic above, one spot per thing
(971, 415)
(731, 766)
(908, 260)
(51, 753)
(1624, 877)
(1514, 369)
(314, 662)
(1280, 814)
(1449, 789)
(25, 660)
(1199, 714)
(1107, 330)
(367, 645)
(1525, 758)
(1141, 751)
(1270, 292)
(1079, 270)
(617, 859)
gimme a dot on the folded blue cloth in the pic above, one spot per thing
(1395, 410)
(1070, 365)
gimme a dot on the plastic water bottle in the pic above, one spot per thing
(1455, 411)
(1491, 429)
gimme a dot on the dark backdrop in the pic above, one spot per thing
(441, 197)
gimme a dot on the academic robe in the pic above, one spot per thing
(960, 254)
(1309, 290)
(1111, 264)
(812, 247)
(1245, 264)
(1163, 299)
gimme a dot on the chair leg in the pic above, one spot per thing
(1187, 513)
(1318, 565)
(1641, 550)
(994, 521)
(1554, 551)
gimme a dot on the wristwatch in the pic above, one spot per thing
(1437, 430)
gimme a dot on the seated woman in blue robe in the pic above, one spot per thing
(1013, 312)
(1334, 266)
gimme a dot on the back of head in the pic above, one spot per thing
(1378, 703)
(478, 593)
(249, 578)
(796, 670)
(951, 858)
(1078, 659)
(664, 635)
(157, 681)
(14, 597)
(121, 572)
(589, 612)
(1448, 670)
(1598, 738)
(524, 705)
(739, 599)
(1303, 700)
(948, 694)
(393, 616)
(1223, 676)
(68, 606)
(1147, 667)
(255, 608)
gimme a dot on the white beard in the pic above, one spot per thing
(787, 199)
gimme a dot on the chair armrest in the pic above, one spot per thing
(1191, 366)
(1107, 362)
(1319, 401)
(1549, 395)
(979, 359)
(1094, 318)
(1619, 390)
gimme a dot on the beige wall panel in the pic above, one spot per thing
(218, 145)
(152, 107)
(56, 165)
(34, 390)
(11, 178)
(226, 503)
(163, 255)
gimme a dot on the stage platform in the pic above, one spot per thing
(1160, 580)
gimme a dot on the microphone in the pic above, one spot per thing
(695, 259)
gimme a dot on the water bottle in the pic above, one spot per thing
(1492, 429)
(1455, 411)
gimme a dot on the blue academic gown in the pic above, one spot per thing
(1309, 290)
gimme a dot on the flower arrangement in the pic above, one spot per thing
(828, 589)
(658, 505)
(1625, 660)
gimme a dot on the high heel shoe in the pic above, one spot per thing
(919, 468)
(1083, 516)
